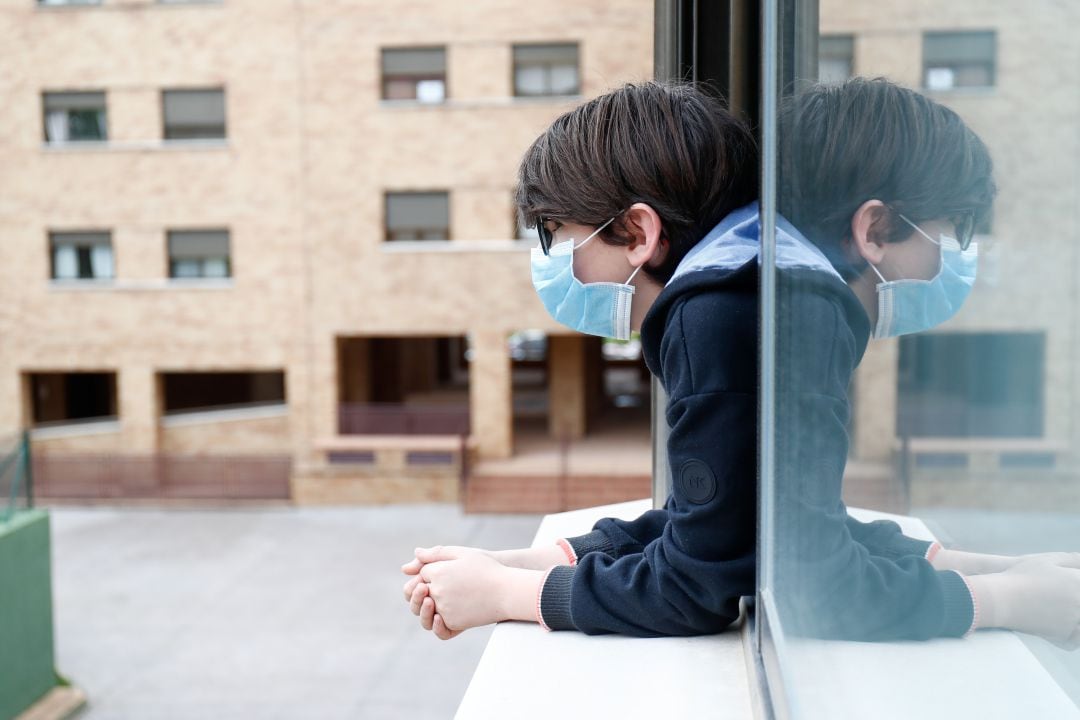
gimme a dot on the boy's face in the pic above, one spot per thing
(596, 260)
(915, 257)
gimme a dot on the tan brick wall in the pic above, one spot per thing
(234, 436)
(299, 183)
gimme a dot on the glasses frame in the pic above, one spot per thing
(963, 222)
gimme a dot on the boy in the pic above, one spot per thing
(643, 203)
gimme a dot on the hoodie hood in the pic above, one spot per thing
(727, 257)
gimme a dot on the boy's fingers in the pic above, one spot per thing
(412, 567)
(410, 585)
(439, 628)
(427, 613)
(418, 595)
(435, 554)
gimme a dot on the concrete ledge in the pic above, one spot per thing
(527, 672)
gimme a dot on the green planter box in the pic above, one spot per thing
(26, 616)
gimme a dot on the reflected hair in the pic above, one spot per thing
(673, 145)
(864, 139)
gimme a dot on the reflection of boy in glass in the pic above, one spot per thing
(885, 186)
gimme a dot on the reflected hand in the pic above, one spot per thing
(1034, 596)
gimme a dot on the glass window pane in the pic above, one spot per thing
(530, 80)
(191, 114)
(924, 413)
(959, 59)
(417, 215)
(564, 79)
(546, 69)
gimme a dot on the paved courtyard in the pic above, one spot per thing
(259, 613)
(279, 612)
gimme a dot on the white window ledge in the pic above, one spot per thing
(152, 145)
(126, 5)
(506, 101)
(526, 672)
(75, 428)
(133, 284)
(455, 246)
(234, 414)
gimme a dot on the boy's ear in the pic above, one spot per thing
(869, 231)
(648, 242)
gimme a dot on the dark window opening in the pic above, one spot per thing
(971, 385)
(188, 391)
(57, 398)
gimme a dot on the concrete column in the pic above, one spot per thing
(490, 400)
(874, 409)
(139, 404)
(567, 403)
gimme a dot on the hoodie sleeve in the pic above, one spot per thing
(827, 582)
(884, 538)
(616, 537)
(681, 571)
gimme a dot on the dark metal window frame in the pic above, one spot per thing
(751, 51)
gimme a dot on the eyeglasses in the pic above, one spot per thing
(965, 228)
(547, 237)
(964, 222)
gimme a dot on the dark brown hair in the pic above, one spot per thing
(673, 146)
(863, 139)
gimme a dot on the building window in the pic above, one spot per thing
(836, 58)
(199, 254)
(74, 116)
(81, 255)
(418, 216)
(58, 398)
(414, 74)
(971, 385)
(190, 391)
(958, 59)
(194, 114)
(546, 70)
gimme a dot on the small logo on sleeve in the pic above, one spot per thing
(696, 482)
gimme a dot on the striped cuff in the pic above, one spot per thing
(594, 541)
(932, 551)
(974, 607)
(567, 548)
(553, 599)
(960, 610)
(539, 597)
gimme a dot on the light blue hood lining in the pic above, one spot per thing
(736, 239)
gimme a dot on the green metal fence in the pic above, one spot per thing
(26, 621)
(16, 475)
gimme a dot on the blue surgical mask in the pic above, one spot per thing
(911, 306)
(600, 308)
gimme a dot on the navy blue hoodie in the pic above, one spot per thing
(681, 570)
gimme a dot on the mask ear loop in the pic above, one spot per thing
(877, 272)
(633, 274)
(594, 234)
